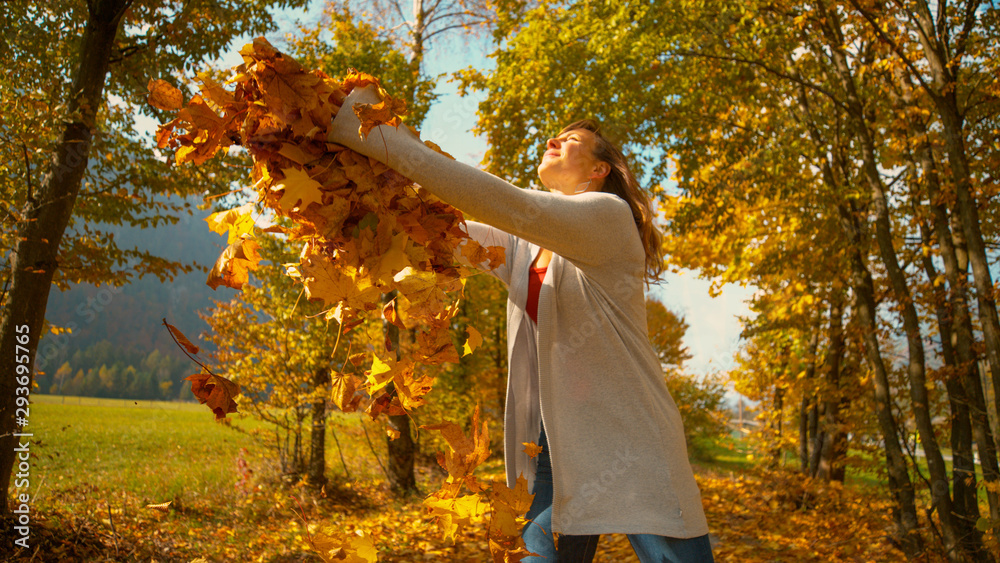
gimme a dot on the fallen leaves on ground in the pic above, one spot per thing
(755, 517)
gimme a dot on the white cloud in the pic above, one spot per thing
(714, 328)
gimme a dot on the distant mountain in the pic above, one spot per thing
(128, 319)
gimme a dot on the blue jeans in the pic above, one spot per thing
(650, 548)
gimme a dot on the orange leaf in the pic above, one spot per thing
(218, 392)
(455, 513)
(506, 521)
(163, 95)
(232, 269)
(390, 314)
(334, 545)
(181, 339)
(532, 449)
(467, 452)
(386, 112)
(343, 388)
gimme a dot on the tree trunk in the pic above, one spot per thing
(860, 280)
(916, 368)
(804, 438)
(905, 512)
(963, 467)
(48, 213)
(830, 451)
(401, 451)
(943, 60)
(958, 340)
(316, 471)
(779, 405)
(809, 411)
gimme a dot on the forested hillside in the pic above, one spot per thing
(117, 346)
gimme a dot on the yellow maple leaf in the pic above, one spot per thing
(474, 341)
(436, 347)
(381, 373)
(237, 221)
(455, 513)
(342, 389)
(334, 546)
(393, 261)
(410, 280)
(299, 190)
(467, 452)
(214, 94)
(506, 519)
(411, 388)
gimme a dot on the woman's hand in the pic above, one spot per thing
(344, 129)
(388, 144)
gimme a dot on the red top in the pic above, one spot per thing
(535, 277)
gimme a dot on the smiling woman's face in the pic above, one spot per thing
(569, 162)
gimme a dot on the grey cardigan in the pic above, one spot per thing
(615, 437)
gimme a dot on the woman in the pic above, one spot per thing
(584, 382)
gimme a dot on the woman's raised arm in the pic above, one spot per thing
(588, 228)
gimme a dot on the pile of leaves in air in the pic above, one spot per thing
(366, 231)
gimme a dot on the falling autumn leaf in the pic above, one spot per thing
(232, 269)
(455, 513)
(232, 222)
(506, 520)
(532, 449)
(342, 389)
(181, 339)
(467, 452)
(163, 95)
(474, 341)
(335, 546)
(215, 391)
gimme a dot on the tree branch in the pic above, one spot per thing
(399, 11)
(27, 175)
(769, 69)
(892, 45)
(450, 27)
(968, 24)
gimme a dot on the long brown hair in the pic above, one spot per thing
(621, 182)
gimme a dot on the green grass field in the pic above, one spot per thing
(158, 451)
(98, 462)
(153, 451)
